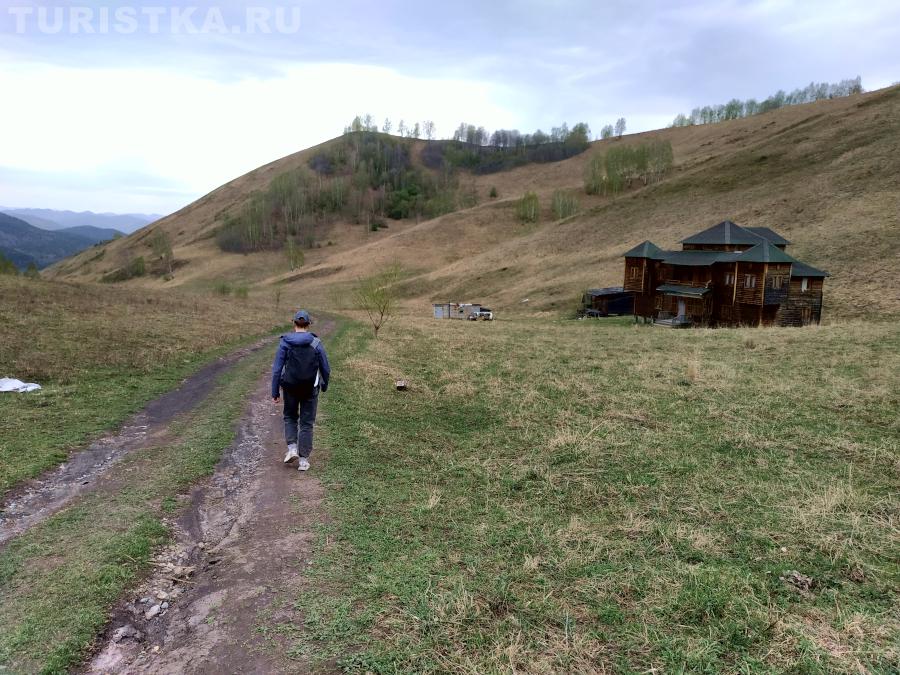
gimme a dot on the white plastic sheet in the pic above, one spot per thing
(9, 384)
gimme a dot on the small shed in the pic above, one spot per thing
(463, 310)
(455, 310)
(606, 301)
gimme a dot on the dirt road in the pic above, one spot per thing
(240, 554)
(241, 545)
(85, 470)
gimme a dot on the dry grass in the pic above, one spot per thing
(100, 352)
(823, 174)
(55, 331)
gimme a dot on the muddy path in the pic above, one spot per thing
(239, 556)
(32, 502)
(240, 549)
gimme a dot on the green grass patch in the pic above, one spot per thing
(588, 496)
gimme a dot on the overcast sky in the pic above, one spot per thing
(148, 107)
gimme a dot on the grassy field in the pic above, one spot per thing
(59, 579)
(100, 354)
(603, 497)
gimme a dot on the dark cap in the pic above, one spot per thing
(302, 315)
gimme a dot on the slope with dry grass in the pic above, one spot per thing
(100, 353)
(824, 174)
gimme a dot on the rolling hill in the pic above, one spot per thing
(826, 175)
(95, 235)
(23, 243)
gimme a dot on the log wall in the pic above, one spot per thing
(802, 307)
(754, 295)
(776, 293)
(635, 275)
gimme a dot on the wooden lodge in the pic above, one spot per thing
(727, 275)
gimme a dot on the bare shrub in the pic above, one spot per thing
(377, 296)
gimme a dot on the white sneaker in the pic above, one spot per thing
(292, 453)
(304, 464)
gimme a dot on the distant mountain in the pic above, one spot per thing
(94, 234)
(42, 223)
(23, 243)
(51, 219)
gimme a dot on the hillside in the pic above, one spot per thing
(23, 243)
(93, 234)
(826, 175)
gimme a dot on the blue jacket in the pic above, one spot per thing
(288, 341)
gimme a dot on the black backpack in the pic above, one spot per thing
(301, 368)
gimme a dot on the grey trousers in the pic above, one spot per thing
(299, 419)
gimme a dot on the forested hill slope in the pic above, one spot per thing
(25, 245)
(826, 175)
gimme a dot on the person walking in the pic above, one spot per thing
(299, 372)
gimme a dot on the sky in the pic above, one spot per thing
(137, 108)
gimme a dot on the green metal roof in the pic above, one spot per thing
(609, 290)
(645, 250)
(698, 258)
(799, 269)
(769, 234)
(684, 291)
(765, 252)
(730, 233)
(724, 233)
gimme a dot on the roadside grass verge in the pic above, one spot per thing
(59, 579)
(100, 355)
(599, 496)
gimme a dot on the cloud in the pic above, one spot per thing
(202, 108)
(120, 190)
(119, 126)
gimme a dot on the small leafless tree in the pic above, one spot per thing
(377, 296)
